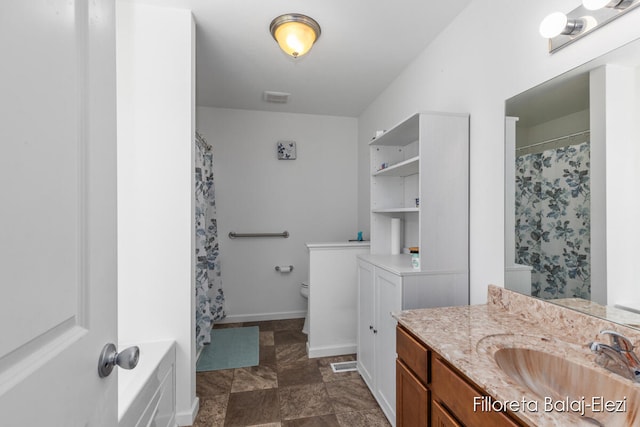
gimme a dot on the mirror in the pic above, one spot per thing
(570, 152)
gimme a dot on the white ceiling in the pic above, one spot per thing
(364, 45)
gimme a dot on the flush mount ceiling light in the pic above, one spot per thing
(295, 33)
(562, 29)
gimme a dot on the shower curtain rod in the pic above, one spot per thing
(560, 138)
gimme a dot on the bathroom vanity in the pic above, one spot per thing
(515, 361)
(428, 388)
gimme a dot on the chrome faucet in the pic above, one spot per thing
(626, 362)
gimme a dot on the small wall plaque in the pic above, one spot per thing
(286, 150)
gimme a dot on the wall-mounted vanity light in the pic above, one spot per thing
(562, 29)
(557, 23)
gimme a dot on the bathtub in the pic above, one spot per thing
(146, 394)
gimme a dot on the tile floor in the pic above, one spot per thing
(286, 389)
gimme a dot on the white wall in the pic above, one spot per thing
(619, 113)
(155, 71)
(313, 197)
(558, 127)
(491, 52)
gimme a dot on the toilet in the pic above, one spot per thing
(304, 291)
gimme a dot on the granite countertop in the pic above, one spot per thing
(468, 336)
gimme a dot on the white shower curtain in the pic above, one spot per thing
(209, 294)
(553, 200)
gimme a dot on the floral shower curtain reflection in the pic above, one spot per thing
(209, 294)
(553, 221)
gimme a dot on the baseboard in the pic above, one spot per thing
(240, 318)
(331, 350)
(188, 417)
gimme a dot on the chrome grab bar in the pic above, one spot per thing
(233, 234)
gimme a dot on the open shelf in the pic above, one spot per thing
(402, 134)
(427, 158)
(405, 168)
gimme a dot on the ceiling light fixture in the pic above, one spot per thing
(295, 33)
(562, 29)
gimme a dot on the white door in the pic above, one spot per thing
(57, 212)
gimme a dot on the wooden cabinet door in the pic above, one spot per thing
(441, 418)
(412, 404)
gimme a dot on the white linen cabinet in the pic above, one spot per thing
(419, 174)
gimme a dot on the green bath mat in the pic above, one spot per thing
(230, 348)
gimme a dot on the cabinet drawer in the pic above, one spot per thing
(440, 417)
(456, 394)
(413, 353)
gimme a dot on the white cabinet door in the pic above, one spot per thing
(388, 299)
(57, 212)
(366, 322)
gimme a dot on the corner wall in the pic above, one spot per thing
(489, 53)
(155, 72)
(313, 197)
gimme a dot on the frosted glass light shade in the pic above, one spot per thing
(295, 33)
(295, 38)
(553, 25)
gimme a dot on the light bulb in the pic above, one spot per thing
(595, 4)
(553, 25)
(589, 23)
(294, 44)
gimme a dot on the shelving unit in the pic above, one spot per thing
(420, 174)
(426, 157)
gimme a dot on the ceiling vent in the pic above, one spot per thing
(276, 97)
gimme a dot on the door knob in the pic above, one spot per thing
(109, 358)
